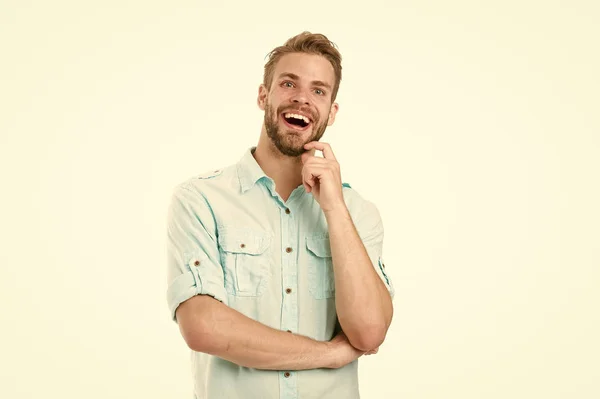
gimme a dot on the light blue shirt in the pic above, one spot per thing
(231, 236)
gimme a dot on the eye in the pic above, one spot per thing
(287, 83)
(319, 92)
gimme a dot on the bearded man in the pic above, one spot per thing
(275, 270)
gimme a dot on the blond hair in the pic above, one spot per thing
(309, 43)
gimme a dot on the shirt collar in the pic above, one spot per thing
(249, 171)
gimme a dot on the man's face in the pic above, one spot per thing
(298, 107)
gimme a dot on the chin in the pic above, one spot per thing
(291, 151)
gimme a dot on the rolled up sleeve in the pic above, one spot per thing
(193, 260)
(370, 229)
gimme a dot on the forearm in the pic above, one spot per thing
(226, 333)
(363, 303)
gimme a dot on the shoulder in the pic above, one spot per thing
(209, 174)
(208, 178)
(198, 189)
(358, 204)
(352, 196)
(202, 188)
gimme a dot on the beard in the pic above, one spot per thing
(289, 142)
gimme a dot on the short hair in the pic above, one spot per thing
(309, 43)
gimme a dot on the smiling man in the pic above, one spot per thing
(275, 269)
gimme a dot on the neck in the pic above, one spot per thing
(284, 170)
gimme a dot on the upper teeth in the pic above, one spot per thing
(304, 118)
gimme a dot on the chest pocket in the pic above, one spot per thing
(321, 281)
(245, 258)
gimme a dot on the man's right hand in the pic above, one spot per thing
(343, 352)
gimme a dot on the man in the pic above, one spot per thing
(275, 274)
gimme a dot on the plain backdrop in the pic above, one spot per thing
(473, 126)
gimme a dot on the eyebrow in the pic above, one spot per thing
(296, 77)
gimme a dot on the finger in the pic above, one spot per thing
(324, 147)
(322, 165)
(308, 182)
(314, 171)
(306, 156)
(318, 173)
(321, 146)
(312, 178)
(306, 187)
(316, 161)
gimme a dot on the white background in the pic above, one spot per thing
(473, 126)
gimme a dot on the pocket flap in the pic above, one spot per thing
(319, 246)
(250, 242)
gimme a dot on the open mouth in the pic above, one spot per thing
(296, 121)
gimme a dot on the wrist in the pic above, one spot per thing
(337, 211)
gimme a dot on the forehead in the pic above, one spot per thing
(308, 67)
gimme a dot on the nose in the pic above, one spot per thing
(300, 97)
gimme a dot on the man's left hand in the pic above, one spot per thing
(322, 176)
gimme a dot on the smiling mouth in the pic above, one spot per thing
(296, 121)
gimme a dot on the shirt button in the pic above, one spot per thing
(288, 249)
(242, 245)
(287, 210)
(289, 331)
(288, 290)
(286, 374)
(197, 263)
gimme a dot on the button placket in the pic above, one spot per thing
(289, 281)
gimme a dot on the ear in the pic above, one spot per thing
(262, 96)
(332, 113)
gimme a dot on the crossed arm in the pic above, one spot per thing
(363, 303)
(210, 326)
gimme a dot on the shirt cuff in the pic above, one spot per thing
(384, 277)
(192, 283)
